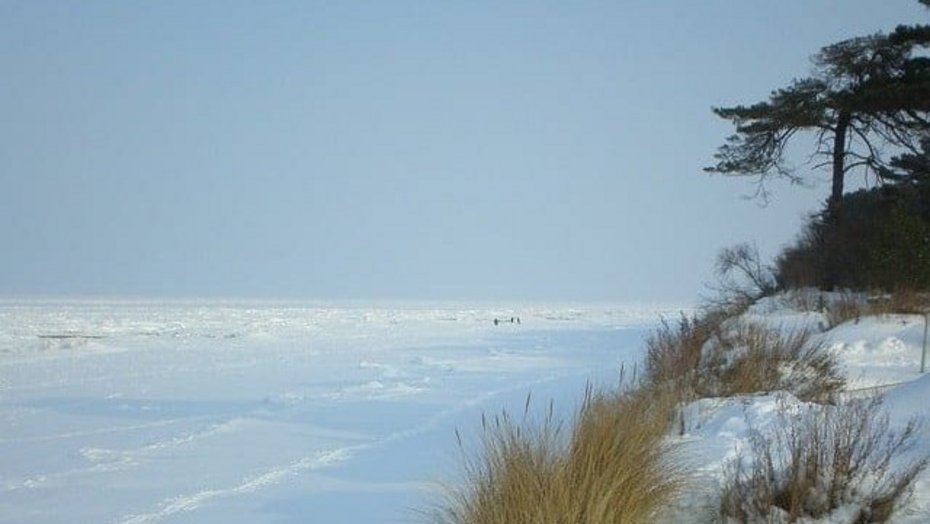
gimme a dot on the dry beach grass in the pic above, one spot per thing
(613, 466)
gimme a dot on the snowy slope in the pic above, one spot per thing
(879, 355)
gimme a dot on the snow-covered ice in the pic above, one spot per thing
(205, 411)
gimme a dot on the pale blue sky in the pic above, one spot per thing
(438, 150)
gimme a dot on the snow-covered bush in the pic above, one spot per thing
(742, 278)
(838, 463)
(719, 357)
(750, 358)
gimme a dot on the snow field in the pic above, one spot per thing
(138, 412)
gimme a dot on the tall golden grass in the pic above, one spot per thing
(674, 353)
(613, 466)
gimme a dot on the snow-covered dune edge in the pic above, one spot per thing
(880, 355)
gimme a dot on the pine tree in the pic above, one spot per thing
(867, 96)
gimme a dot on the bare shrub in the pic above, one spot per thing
(613, 466)
(742, 278)
(750, 358)
(823, 460)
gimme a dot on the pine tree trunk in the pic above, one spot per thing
(835, 204)
(839, 161)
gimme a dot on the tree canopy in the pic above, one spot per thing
(868, 97)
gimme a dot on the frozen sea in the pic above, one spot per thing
(142, 411)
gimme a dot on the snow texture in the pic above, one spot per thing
(198, 411)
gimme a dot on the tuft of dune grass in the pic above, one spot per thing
(674, 353)
(611, 466)
(619, 465)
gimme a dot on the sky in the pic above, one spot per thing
(480, 150)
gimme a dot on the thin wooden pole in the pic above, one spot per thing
(923, 356)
